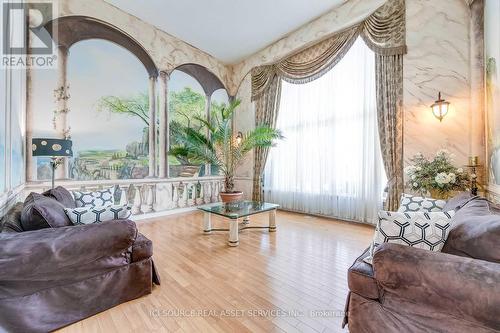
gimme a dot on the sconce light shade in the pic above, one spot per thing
(52, 147)
(440, 108)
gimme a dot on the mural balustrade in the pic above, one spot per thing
(147, 196)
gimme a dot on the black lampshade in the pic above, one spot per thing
(52, 147)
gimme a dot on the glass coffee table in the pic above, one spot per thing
(236, 211)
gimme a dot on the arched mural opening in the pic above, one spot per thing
(109, 89)
(194, 93)
(112, 80)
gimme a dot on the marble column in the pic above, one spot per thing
(208, 106)
(163, 139)
(477, 106)
(61, 94)
(30, 162)
(152, 127)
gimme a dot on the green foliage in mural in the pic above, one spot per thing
(186, 107)
(135, 106)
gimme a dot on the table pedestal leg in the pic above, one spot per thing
(272, 220)
(233, 232)
(207, 223)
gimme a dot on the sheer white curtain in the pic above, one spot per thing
(330, 161)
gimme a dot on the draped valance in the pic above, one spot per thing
(383, 32)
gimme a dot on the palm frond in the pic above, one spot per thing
(219, 147)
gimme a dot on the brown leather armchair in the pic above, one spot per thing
(50, 278)
(413, 290)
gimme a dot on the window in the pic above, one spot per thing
(330, 162)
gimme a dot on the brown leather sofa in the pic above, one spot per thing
(52, 277)
(413, 290)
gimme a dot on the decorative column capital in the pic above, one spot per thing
(63, 48)
(164, 75)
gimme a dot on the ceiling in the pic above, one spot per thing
(229, 30)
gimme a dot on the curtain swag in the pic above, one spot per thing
(383, 31)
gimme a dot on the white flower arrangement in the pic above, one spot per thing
(436, 175)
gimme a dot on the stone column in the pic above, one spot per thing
(152, 126)
(208, 106)
(61, 94)
(30, 163)
(163, 138)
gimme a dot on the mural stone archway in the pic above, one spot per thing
(209, 82)
(67, 31)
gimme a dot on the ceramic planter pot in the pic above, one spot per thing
(231, 196)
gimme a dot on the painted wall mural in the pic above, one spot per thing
(109, 112)
(492, 55)
(187, 102)
(104, 80)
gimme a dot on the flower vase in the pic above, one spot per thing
(436, 194)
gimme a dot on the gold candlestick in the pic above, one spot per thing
(473, 161)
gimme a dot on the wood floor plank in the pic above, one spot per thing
(271, 282)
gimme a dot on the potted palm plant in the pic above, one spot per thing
(216, 144)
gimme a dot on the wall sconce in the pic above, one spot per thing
(440, 108)
(239, 138)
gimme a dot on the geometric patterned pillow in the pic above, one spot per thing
(93, 199)
(412, 203)
(423, 230)
(89, 215)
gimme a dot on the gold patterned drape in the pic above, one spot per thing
(266, 112)
(384, 33)
(389, 90)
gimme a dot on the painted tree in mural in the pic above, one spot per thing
(184, 107)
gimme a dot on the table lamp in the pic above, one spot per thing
(53, 148)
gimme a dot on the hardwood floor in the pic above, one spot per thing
(297, 270)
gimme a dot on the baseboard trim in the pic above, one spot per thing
(153, 215)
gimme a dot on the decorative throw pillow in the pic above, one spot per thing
(417, 229)
(41, 212)
(98, 198)
(62, 196)
(412, 203)
(89, 215)
(11, 222)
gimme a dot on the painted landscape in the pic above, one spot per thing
(100, 100)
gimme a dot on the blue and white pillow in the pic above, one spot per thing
(98, 198)
(413, 203)
(89, 215)
(424, 230)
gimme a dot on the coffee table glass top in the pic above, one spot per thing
(234, 210)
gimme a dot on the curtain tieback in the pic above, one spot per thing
(391, 182)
